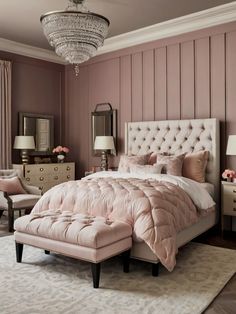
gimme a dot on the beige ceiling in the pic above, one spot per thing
(19, 19)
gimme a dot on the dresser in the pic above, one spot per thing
(45, 176)
(228, 196)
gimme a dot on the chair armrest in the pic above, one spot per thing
(31, 189)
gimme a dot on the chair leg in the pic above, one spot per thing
(155, 270)
(47, 252)
(10, 219)
(96, 268)
(126, 260)
(19, 252)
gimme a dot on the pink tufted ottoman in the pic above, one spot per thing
(92, 239)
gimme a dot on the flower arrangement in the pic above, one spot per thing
(229, 175)
(60, 150)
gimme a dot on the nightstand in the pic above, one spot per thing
(228, 201)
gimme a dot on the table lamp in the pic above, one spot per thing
(231, 146)
(104, 143)
(24, 143)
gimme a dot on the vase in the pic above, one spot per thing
(60, 158)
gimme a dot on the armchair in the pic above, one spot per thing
(11, 202)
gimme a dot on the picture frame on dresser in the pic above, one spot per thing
(46, 176)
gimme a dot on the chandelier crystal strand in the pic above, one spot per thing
(75, 35)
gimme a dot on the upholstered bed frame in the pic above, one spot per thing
(176, 137)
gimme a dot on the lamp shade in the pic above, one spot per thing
(104, 142)
(231, 146)
(24, 142)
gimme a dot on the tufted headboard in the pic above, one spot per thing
(176, 137)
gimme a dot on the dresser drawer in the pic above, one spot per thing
(229, 200)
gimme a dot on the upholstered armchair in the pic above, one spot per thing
(16, 195)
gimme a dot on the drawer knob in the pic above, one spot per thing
(28, 171)
(234, 201)
(27, 179)
(68, 177)
(68, 168)
(234, 209)
(234, 191)
(56, 168)
(56, 178)
(41, 178)
(41, 169)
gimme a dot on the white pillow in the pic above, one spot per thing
(146, 169)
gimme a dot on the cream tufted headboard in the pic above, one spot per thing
(176, 137)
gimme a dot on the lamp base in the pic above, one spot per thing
(24, 156)
(104, 161)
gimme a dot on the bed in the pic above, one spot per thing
(175, 137)
(156, 206)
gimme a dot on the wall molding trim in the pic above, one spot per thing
(29, 51)
(192, 22)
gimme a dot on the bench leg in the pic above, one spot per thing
(19, 251)
(155, 270)
(96, 268)
(126, 260)
(47, 252)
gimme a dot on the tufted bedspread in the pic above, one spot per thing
(156, 210)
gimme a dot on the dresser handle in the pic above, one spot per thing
(234, 191)
(41, 178)
(41, 169)
(56, 178)
(68, 168)
(56, 169)
(234, 209)
(28, 171)
(68, 177)
(27, 179)
(234, 201)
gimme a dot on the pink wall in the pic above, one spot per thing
(188, 76)
(37, 87)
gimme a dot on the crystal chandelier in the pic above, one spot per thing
(75, 33)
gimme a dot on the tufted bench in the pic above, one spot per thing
(92, 239)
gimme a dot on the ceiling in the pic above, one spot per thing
(19, 20)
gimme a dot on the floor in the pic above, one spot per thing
(225, 302)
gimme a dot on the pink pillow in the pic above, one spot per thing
(172, 164)
(126, 161)
(12, 186)
(194, 165)
(146, 169)
(153, 157)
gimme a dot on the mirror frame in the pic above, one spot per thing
(110, 115)
(23, 115)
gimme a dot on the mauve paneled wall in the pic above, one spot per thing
(188, 76)
(37, 87)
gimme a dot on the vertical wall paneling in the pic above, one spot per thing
(137, 86)
(202, 78)
(148, 85)
(187, 80)
(231, 90)
(160, 84)
(173, 81)
(218, 85)
(125, 98)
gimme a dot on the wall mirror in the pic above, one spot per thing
(41, 127)
(104, 124)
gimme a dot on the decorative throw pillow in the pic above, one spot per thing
(12, 186)
(153, 157)
(126, 161)
(194, 165)
(146, 169)
(172, 164)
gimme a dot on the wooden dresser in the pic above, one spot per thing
(46, 176)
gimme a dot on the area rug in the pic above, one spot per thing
(53, 284)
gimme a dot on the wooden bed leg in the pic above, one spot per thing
(126, 260)
(155, 270)
(47, 252)
(19, 251)
(96, 268)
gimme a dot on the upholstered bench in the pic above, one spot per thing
(93, 239)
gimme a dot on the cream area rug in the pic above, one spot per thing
(53, 284)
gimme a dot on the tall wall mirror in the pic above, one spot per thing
(104, 123)
(41, 127)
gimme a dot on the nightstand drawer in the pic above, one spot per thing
(229, 200)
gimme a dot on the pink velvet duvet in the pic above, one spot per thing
(156, 210)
